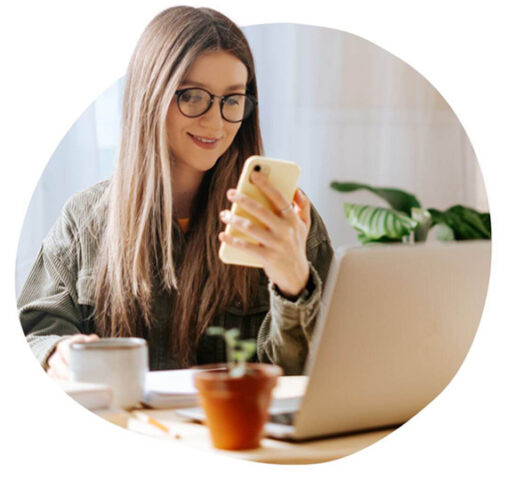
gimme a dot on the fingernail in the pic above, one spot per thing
(231, 193)
(224, 214)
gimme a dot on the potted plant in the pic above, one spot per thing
(407, 220)
(236, 396)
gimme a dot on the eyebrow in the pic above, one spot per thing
(239, 86)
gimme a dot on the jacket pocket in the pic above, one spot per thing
(86, 289)
(86, 297)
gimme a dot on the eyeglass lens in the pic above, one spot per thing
(194, 102)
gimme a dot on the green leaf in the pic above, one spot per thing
(248, 347)
(378, 224)
(398, 199)
(425, 221)
(479, 222)
(231, 337)
(466, 223)
(238, 351)
(363, 239)
(485, 220)
(215, 330)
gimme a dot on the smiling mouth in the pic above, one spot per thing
(204, 140)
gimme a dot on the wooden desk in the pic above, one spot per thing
(272, 451)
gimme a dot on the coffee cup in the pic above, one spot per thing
(120, 363)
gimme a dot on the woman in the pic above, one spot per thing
(138, 255)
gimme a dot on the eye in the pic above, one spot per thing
(234, 100)
(192, 96)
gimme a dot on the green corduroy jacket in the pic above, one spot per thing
(57, 299)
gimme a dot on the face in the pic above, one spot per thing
(197, 143)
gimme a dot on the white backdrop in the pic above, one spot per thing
(465, 48)
(340, 106)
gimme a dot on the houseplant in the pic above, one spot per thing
(236, 396)
(408, 220)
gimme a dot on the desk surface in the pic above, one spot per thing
(271, 451)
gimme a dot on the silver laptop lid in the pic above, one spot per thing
(395, 325)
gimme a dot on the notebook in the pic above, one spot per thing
(170, 389)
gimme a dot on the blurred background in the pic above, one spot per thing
(341, 107)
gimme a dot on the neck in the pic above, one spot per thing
(185, 184)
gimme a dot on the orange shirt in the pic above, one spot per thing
(184, 224)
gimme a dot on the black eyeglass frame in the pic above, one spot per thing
(212, 97)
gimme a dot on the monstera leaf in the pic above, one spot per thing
(378, 224)
(397, 199)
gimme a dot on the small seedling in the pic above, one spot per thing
(238, 351)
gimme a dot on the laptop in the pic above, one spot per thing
(394, 326)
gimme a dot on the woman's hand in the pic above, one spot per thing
(282, 243)
(59, 361)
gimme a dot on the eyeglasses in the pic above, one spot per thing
(194, 102)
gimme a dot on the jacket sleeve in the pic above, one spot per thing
(48, 306)
(285, 335)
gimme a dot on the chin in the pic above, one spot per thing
(206, 166)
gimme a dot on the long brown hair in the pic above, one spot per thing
(136, 259)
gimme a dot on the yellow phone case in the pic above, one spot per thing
(284, 176)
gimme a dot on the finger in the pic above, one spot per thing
(63, 351)
(91, 338)
(255, 208)
(303, 206)
(63, 347)
(288, 212)
(53, 359)
(63, 372)
(242, 244)
(244, 225)
(274, 195)
(57, 369)
(60, 371)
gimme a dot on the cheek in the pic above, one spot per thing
(174, 121)
(231, 133)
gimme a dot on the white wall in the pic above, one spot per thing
(347, 110)
(341, 107)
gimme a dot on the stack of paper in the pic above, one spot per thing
(89, 395)
(170, 389)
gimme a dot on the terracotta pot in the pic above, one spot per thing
(236, 408)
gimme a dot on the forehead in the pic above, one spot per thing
(217, 71)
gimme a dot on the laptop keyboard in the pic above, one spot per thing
(285, 418)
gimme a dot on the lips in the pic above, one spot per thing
(204, 142)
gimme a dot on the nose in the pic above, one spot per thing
(213, 117)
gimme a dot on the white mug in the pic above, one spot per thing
(120, 363)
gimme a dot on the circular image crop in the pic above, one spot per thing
(353, 254)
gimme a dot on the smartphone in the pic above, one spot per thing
(283, 175)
